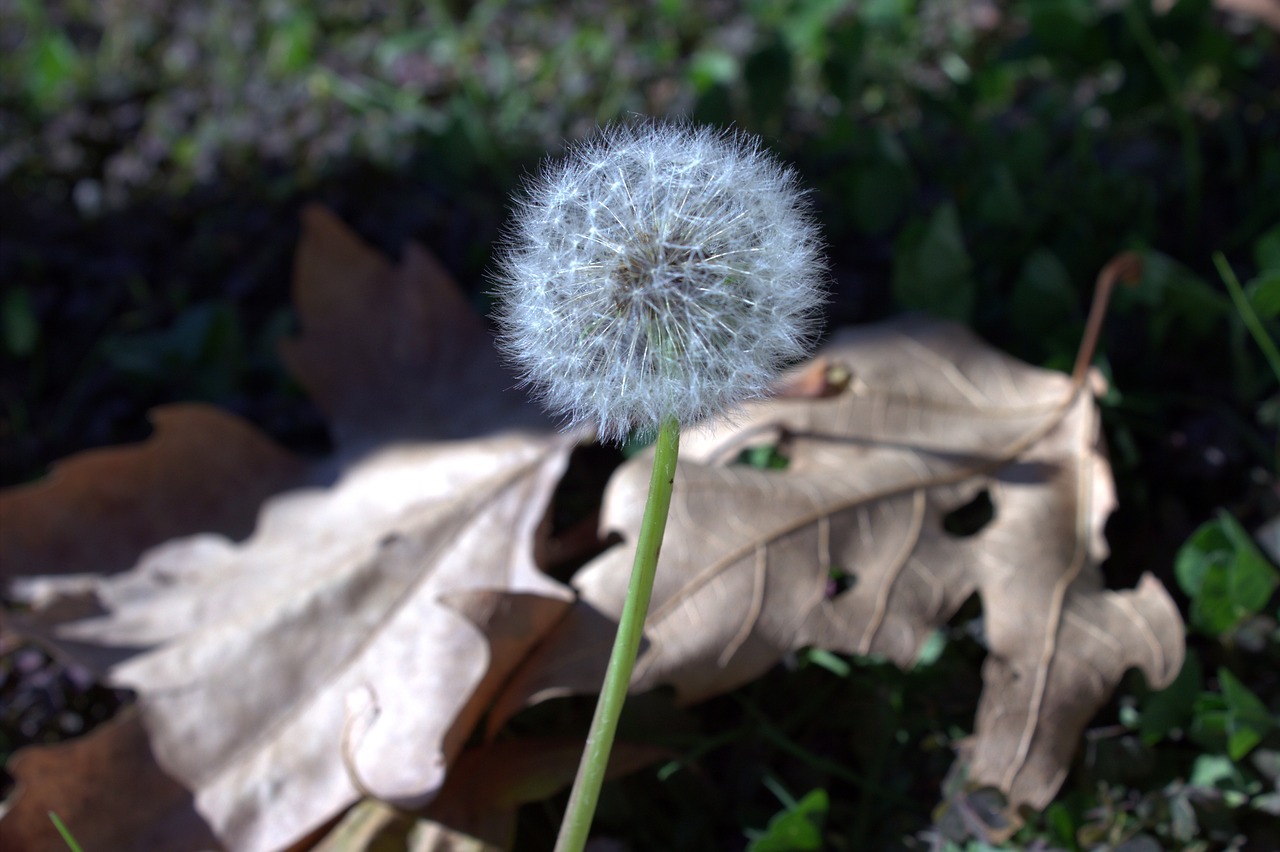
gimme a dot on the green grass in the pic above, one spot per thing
(65, 833)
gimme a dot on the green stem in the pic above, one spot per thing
(604, 726)
(65, 832)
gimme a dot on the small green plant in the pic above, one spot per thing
(1207, 743)
(1233, 720)
(797, 827)
(1225, 575)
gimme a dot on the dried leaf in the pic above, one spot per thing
(930, 419)
(393, 352)
(349, 645)
(491, 782)
(107, 788)
(369, 825)
(476, 809)
(202, 471)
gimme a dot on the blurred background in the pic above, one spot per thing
(978, 160)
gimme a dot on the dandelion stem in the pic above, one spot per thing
(595, 759)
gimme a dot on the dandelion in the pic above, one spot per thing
(654, 277)
(658, 270)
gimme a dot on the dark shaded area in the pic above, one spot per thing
(972, 517)
(186, 299)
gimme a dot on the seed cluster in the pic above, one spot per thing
(658, 270)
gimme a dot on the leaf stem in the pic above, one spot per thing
(604, 726)
(1125, 267)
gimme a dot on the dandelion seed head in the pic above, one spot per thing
(658, 270)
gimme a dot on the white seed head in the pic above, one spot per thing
(658, 270)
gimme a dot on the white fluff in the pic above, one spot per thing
(658, 270)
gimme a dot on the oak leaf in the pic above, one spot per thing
(105, 785)
(349, 644)
(908, 422)
(203, 470)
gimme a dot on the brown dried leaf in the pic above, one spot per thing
(392, 352)
(109, 791)
(202, 471)
(492, 781)
(476, 809)
(348, 646)
(930, 418)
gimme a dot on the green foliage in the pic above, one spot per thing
(933, 270)
(46, 60)
(797, 827)
(1206, 749)
(1244, 301)
(764, 457)
(1172, 709)
(1207, 746)
(1225, 575)
(1234, 721)
(18, 326)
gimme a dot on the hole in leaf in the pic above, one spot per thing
(972, 517)
(839, 581)
(568, 535)
(764, 457)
